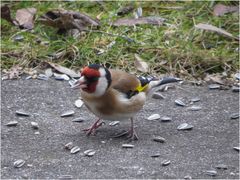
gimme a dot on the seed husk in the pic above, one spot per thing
(155, 155)
(72, 82)
(79, 120)
(42, 77)
(211, 172)
(127, 145)
(19, 163)
(187, 177)
(194, 108)
(78, 103)
(221, 166)
(65, 177)
(153, 117)
(214, 86)
(22, 113)
(113, 123)
(12, 123)
(69, 146)
(74, 150)
(34, 125)
(235, 116)
(195, 99)
(179, 102)
(165, 119)
(236, 148)
(185, 126)
(89, 152)
(67, 113)
(235, 89)
(165, 162)
(157, 95)
(159, 139)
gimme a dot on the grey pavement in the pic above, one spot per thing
(191, 152)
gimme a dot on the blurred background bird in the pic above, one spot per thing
(114, 94)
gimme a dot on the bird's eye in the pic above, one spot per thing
(91, 79)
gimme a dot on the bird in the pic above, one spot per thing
(112, 94)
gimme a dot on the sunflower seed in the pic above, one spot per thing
(179, 102)
(89, 152)
(22, 113)
(159, 139)
(74, 150)
(127, 145)
(78, 120)
(72, 82)
(185, 126)
(153, 117)
(48, 72)
(12, 123)
(67, 113)
(18, 38)
(69, 146)
(221, 166)
(155, 155)
(42, 77)
(211, 172)
(158, 96)
(65, 177)
(235, 89)
(237, 76)
(113, 123)
(195, 99)
(235, 116)
(165, 162)
(236, 148)
(78, 103)
(214, 86)
(37, 133)
(165, 119)
(19, 163)
(28, 77)
(194, 108)
(187, 177)
(34, 125)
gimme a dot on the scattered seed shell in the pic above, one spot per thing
(221, 166)
(235, 116)
(19, 163)
(159, 139)
(74, 150)
(127, 145)
(37, 133)
(179, 102)
(194, 108)
(18, 38)
(22, 113)
(34, 125)
(67, 113)
(28, 77)
(89, 152)
(211, 172)
(214, 86)
(12, 123)
(165, 119)
(69, 146)
(153, 117)
(165, 162)
(195, 99)
(235, 89)
(185, 126)
(236, 148)
(79, 120)
(78, 103)
(155, 155)
(114, 123)
(187, 177)
(42, 77)
(157, 95)
(72, 82)
(65, 177)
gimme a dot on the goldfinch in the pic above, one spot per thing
(114, 94)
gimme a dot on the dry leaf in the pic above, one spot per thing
(13, 73)
(62, 69)
(25, 17)
(214, 78)
(141, 20)
(221, 9)
(212, 28)
(65, 20)
(125, 10)
(140, 64)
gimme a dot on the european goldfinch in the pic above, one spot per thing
(114, 94)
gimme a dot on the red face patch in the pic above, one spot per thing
(89, 72)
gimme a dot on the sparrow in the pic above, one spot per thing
(114, 94)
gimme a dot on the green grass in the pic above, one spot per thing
(177, 48)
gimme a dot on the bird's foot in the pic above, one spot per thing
(132, 135)
(92, 129)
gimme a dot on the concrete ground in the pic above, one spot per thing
(191, 152)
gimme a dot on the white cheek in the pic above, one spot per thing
(101, 86)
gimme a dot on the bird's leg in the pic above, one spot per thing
(132, 133)
(93, 128)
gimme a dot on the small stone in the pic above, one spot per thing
(34, 125)
(211, 172)
(22, 113)
(194, 108)
(179, 102)
(221, 166)
(235, 89)
(89, 152)
(187, 177)
(159, 139)
(214, 86)
(74, 150)
(153, 117)
(79, 120)
(19, 163)
(37, 133)
(113, 123)
(165, 162)
(78, 103)
(42, 77)
(69, 146)
(12, 123)
(157, 95)
(67, 113)
(165, 119)
(185, 126)
(155, 155)
(127, 145)
(235, 116)
(236, 148)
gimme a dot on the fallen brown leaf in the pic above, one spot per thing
(140, 64)
(212, 28)
(220, 9)
(25, 17)
(141, 20)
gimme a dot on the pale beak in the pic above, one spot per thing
(81, 83)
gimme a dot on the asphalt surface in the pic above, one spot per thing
(191, 152)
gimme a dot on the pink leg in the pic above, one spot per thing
(93, 128)
(132, 133)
